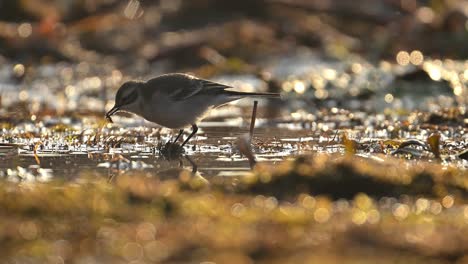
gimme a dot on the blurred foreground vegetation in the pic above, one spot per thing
(280, 214)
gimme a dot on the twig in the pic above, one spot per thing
(38, 144)
(252, 121)
(334, 136)
(245, 149)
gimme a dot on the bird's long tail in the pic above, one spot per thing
(246, 94)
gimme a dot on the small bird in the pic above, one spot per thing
(175, 100)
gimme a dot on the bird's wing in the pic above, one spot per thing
(183, 86)
(185, 91)
(197, 87)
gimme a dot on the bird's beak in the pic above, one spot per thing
(111, 112)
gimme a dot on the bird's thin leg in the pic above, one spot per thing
(178, 136)
(194, 131)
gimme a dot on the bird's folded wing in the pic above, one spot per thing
(197, 87)
(184, 92)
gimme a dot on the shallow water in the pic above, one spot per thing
(52, 116)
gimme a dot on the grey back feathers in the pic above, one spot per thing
(179, 86)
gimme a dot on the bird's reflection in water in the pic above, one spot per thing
(191, 177)
(169, 152)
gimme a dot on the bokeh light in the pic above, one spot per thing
(24, 30)
(416, 57)
(425, 14)
(403, 58)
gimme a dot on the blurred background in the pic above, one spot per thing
(63, 54)
(189, 32)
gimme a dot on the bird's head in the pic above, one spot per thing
(127, 98)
